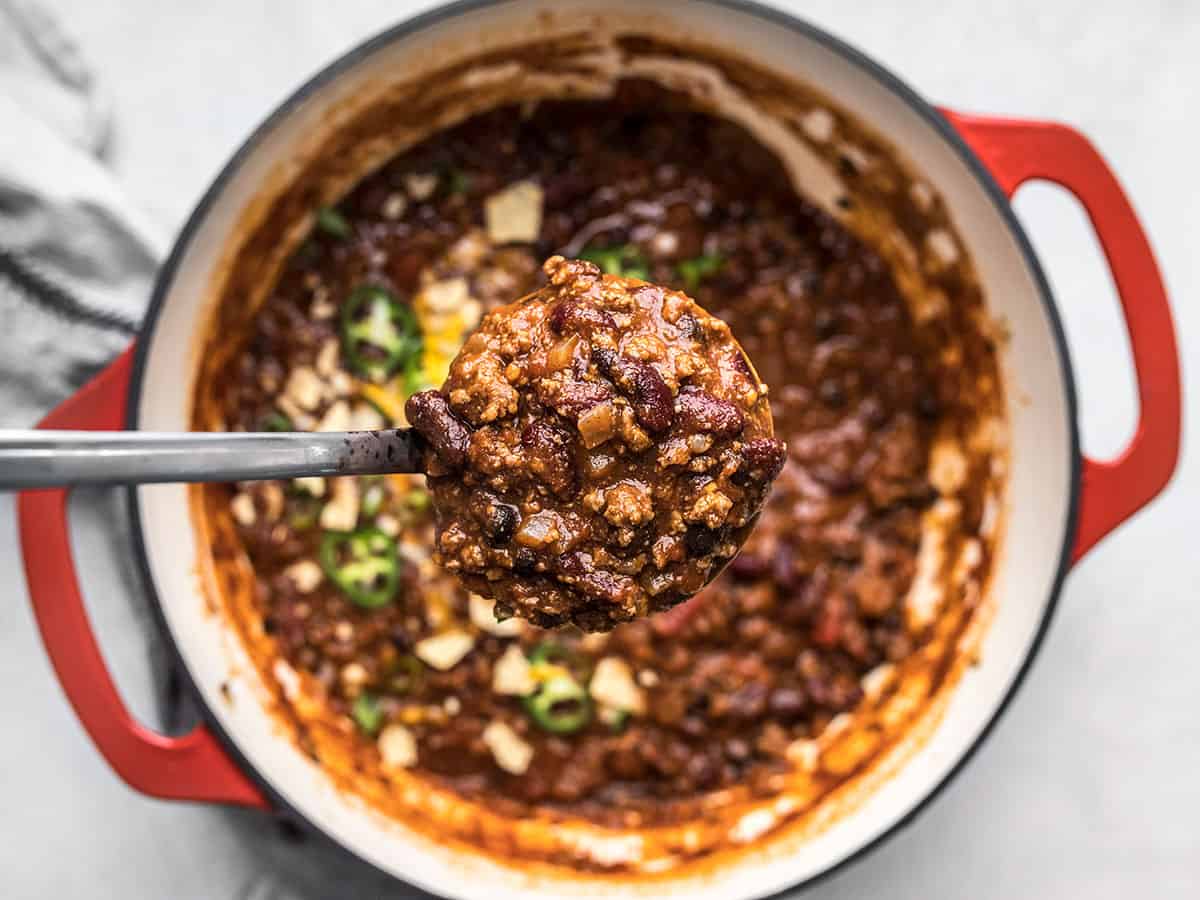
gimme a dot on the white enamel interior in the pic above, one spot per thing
(1040, 485)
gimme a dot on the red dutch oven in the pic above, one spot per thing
(1060, 503)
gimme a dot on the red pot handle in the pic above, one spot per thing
(190, 767)
(1016, 151)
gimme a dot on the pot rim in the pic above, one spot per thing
(774, 16)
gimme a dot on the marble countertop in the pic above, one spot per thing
(1090, 784)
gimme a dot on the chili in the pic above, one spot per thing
(560, 706)
(408, 676)
(277, 421)
(694, 271)
(363, 564)
(380, 335)
(333, 223)
(366, 713)
(625, 260)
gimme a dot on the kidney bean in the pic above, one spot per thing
(783, 566)
(574, 398)
(640, 381)
(701, 411)
(747, 702)
(748, 566)
(787, 702)
(738, 362)
(578, 570)
(577, 317)
(550, 452)
(762, 460)
(430, 415)
(828, 627)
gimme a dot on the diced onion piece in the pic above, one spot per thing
(444, 651)
(305, 574)
(598, 424)
(272, 495)
(340, 513)
(818, 124)
(941, 244)
(327, 358)
(948, 467)
(310, 484)
(397, 747)
(336, 418)
(613, 685)
(242, 507)
(445, 296)
(364, 417)
(514, 215)
(562, 353)
(394, 206)
(304, 387)
(421, 185)
(483, 617)
(512, 754)
(538, 530)
(512, 674)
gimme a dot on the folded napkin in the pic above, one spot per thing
(76, 258)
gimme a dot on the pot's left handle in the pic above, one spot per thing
(188, 767)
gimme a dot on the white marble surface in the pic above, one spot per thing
(1089, 786)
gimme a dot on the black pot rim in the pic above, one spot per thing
(898, 89)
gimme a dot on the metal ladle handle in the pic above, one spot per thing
(46, 459)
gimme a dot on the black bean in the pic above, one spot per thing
(700, 540)
(689, 329)
(524, 561)
(825, 323)
(787, 702)
(748, 702)
(501, 524)
(832, 393)
(928, 406)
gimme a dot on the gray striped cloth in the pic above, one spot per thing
(76, 259)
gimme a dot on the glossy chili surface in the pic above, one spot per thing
(641, 723)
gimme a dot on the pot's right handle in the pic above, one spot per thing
(189, 767)
(1016, 151)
